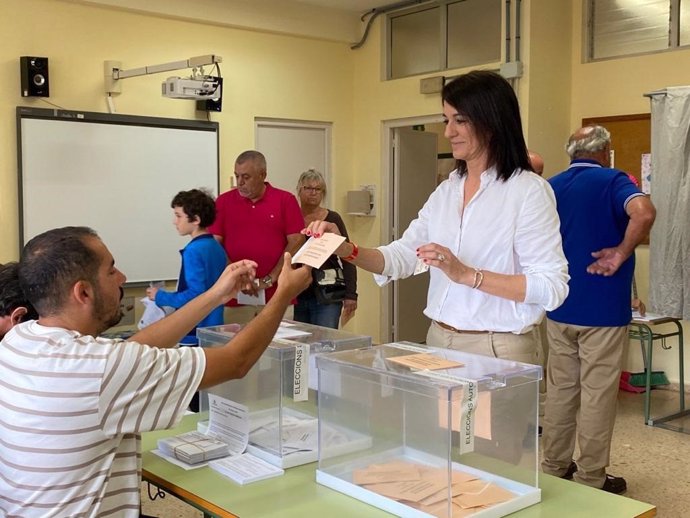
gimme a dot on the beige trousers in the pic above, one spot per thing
(583, 374)
(543, 360)
(507, 346)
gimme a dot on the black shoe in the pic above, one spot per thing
(615, 485)
(568, 475)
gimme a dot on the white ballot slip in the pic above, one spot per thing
(316, 250)
(420, 267)
(251, 300)
(229, 422)
(245, 468)
(648, 317)
(152, 313)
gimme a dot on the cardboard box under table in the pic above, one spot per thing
(280, 391)
(449, 434)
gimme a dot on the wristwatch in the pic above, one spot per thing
(268, 281)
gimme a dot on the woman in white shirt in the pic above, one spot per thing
(490, 233)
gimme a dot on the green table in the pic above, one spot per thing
(641, 330)
(296, 494)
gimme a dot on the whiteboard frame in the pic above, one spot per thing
(77, 117)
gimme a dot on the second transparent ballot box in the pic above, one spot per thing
(444, 433)
(280, 390)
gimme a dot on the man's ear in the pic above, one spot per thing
(82, 292)
(17, 315)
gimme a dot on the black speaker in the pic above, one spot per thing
(214, 104)
(34, 73)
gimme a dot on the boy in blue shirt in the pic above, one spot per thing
(203, 259)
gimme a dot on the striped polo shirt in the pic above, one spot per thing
(71, 410)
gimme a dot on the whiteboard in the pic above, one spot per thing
(116, 174)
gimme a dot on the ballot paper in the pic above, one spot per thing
(152, 313)
(316, 251)
(426, 487)
(284, 332)
(648, 317)
(245, 468)
(420, 267)
(252, 300)
(425, 361)
(227, 434)
(229, 422)
(300, 434)
(193, 447)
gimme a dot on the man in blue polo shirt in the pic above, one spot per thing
(604, 217)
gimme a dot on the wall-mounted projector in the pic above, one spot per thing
(202, 87)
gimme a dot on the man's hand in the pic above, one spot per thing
(608, 260)
(236, 277)
(292, 282)
(151, 293)
(638, 305)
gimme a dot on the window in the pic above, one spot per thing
(442, 35)
(625, 27)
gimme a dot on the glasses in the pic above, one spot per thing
(315, 190)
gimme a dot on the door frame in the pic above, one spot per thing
(325, 127)
(388, 200)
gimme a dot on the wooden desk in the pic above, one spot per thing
(296, 494)
(642, 331)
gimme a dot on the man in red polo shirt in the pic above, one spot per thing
(259, 222)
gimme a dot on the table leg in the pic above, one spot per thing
(681, 367)
(648, 373)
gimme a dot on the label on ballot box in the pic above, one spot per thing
(468, 404)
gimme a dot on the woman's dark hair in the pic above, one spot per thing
(52, 262)
(489, 103)
(196, 203)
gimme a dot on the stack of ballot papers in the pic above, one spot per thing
(245, 468)
(426, 488)
(193, 447)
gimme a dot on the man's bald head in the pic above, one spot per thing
(537, 162)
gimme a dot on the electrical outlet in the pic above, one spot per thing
(127, 307)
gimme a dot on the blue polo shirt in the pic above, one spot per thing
(591, 202)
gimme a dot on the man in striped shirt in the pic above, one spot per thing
(72, 405)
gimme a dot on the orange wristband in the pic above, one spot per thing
(354, 254)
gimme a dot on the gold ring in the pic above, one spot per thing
(441, 257)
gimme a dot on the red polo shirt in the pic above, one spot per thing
(257, 230)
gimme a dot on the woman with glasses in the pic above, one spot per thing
(325, 302)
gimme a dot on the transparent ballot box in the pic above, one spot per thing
(280, 390)
(445, 433)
